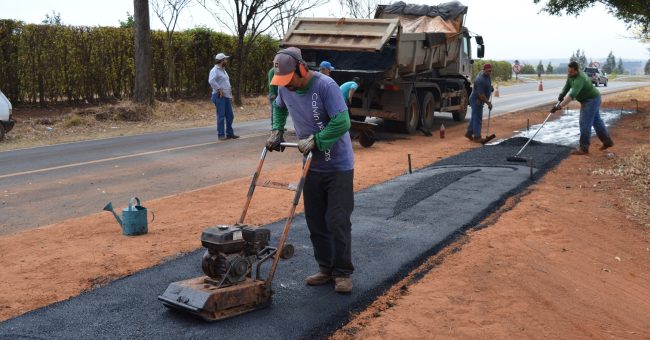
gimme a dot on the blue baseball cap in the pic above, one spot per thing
(326, 64)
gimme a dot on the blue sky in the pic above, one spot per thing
(512, 29)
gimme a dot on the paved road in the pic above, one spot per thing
(44, 185)
(397, 225)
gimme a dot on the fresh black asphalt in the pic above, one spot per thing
(396, 226)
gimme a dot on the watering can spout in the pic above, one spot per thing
(109, 207)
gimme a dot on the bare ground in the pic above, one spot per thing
(570, 258)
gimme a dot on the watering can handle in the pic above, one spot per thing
(131, 202)
(153, 216)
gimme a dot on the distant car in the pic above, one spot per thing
(6, 121)
(596, 75)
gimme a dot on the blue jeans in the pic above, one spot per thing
(590, 116)
(476, 122)
(224, 114)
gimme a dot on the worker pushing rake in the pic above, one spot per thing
(580, 88)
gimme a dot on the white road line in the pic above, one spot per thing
(120, 157)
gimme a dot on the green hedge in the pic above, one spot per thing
(52, 63)
(501, 70)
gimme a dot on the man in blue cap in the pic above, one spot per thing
(325, 67)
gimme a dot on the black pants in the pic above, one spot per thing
(329, 201)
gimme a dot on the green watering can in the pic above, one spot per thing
(134, 218)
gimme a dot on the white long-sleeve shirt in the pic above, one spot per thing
(219, 80)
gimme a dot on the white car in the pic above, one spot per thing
(6, 122)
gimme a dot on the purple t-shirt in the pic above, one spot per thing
(310, 112)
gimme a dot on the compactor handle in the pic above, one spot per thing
(289, 145)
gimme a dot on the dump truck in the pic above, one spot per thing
(413, 60)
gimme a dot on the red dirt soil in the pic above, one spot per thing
(565, 262)
(59, 261)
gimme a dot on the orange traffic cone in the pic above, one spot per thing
(540, 87)
(442, 130)
(496, 91)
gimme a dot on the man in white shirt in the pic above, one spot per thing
(222, 97)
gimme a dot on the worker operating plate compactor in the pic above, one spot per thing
(233, 261)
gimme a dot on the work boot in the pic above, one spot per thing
(477, 139)
(343, 284)
(233, 137)
(318, 279)
(468, 135)
(223, 137)
(608, 143)
(580, 151)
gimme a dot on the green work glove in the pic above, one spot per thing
(273, 143)
(306, 145)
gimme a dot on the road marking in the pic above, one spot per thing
(120, 157)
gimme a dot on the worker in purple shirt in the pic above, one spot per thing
(480, 95)
(320, 118)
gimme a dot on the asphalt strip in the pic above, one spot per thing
(396, 226)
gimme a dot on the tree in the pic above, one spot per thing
(619, 67)
(646, 70)
(610, 63)
(55, 19)
(143, 89)
(359, 8)
(527, 69)
(540, 68)
(635, 13)
(247, 19)
(549, 68)
(168, 12)
(129, 23)
(582, 59)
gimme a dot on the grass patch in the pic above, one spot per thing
(75, 120)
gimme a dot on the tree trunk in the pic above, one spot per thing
(170, 66)
(240, 71)
(143, 89)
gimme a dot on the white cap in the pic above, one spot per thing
(221, 56)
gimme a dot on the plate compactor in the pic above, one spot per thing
(231, 287)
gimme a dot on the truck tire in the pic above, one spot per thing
(411, 115)
(428, 108)
(2, 132)
(605, 83)
(460, 114)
